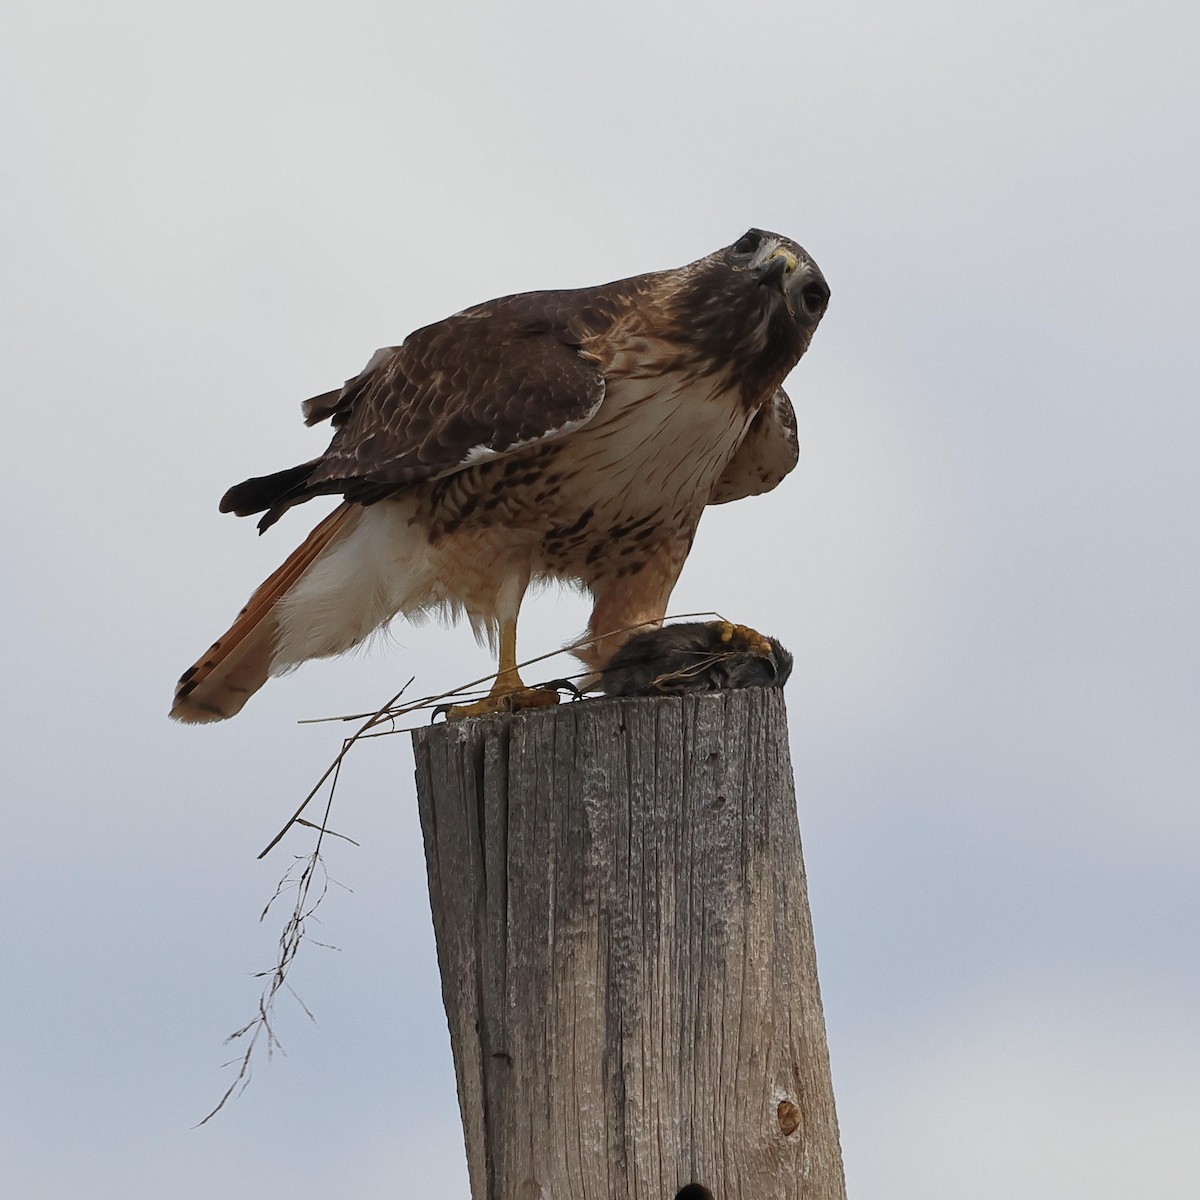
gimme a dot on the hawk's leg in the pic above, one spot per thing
(629, 605)
(509, 693)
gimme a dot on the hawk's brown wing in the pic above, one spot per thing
(475, 386)
(472, 387)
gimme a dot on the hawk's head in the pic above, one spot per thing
(754, 304)
(785, 270)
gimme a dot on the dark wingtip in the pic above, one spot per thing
(270, 493)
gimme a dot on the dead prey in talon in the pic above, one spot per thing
(701, 656)
(561, 436)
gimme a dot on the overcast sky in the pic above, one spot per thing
(987, 564)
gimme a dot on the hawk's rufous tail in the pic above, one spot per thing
(239, 662)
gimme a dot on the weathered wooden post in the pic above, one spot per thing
(626, 952)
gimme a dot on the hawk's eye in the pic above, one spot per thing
(748, 242)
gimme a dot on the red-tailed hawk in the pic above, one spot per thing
(573, 436)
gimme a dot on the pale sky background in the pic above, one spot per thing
(987, 565)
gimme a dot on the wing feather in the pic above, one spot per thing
(769, 451)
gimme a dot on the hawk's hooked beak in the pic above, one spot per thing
(775, 268)
(778, 263)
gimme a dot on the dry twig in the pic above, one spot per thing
(302, 877)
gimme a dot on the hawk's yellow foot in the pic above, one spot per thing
(742, 637)
(504, 702)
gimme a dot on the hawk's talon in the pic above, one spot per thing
(563, 685)
(742, 637)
